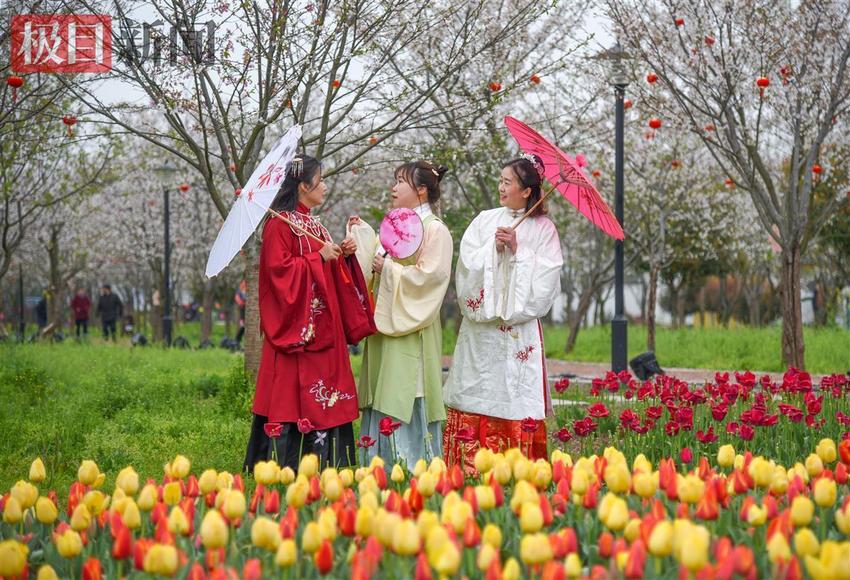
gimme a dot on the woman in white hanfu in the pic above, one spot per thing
(507, 279)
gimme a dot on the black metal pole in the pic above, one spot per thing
(166, 308)
(22, 325)
(619, 325)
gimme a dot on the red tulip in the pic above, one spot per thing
(123, 544)
(253, 570)
(196, 572)
(529, 425)
(471, 533)
(844, 451)
(305, 425)
(553, 570)
(92, 569)
(636, 560)
(686, 455)
(272, 430)
(271, 501)
(324, 558)
(387, 426)
(423, 569)
(140, 550)
(289, 524)
(606, 544)
(655, 123)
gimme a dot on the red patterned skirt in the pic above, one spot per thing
(465, 433)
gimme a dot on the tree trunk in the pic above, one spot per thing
(702, 306)
(793, 350)
(578, 315)
(207, 314)
(253, 340)
(650, 307)
(57, 287)
(723, 287)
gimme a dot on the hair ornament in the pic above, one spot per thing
(535, 162)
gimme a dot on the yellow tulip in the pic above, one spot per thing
(327, 525)
(535, 549)
(406, 540)
(541, 474)
(814, 465)
(690, 488)
(485, 497)
(437, 466)
(572, 565)
(297, 492)
(147, 498)
(644, 484)
(177, 521)
(224, 481)
(266, 472)
(761, 471)
(530, 518)
(778, 549)
(458, 515)
(825, 492)
(363, 522)
(802, 511)
(265, 534)
(806, 543)
(128, 480)
(726, 456)
(46, 511)
(179, 467)
(757, 515)
(426, 521)
(511, 570)
(309, 466)
(632, 530)
(101, 478)
(132, 517)
(695, 556)
(618, 516)
(96, 501)
(484, 460)
(492, 535)
(447, 559)
(641, 464)
(397, 474)
(46, 572)
(37, 471)
(81, 518)
(524, 492)
(13, 558)
(826, 450)
(69, 544)
(502, 470)
(579, 482)
(26, 494)
(214, 532)
(375, 462)
(311, 540)
(426, 484)
(208, 482)
(617, 478)
(12, 512)
(842, 520)
(88, 472)
(161, 559)
(172, 493)
(486, 554)
(522, 469)
(420, 467)
(661, 539)
(286, 554)
(800, 470)
(234, 505)
(347, 477)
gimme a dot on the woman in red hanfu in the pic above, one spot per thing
(306, 398)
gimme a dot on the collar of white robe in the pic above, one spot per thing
(423, 210)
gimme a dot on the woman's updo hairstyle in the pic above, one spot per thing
(302, 169)
(529, 171)
(423, 174)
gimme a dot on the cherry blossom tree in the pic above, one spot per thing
(765, 86)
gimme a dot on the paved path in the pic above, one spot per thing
(585, 371)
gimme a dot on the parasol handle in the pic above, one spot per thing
(299, 228)
(545, 195)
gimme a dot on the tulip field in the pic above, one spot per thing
(742, 477)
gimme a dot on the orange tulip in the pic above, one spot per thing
(423, 569)
(636, 560)
(253, 570)
(122, 544)
(196, 572)
(471, 533)
(92, 569)
(324, 558)
(606, 544)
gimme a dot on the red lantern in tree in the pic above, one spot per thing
(535, 79)
(649, 135)
(233, 167)
(627, 104)
(184, 187)
(709, 128)
(676, 163)
(730, 183)
(680, 22)
(709, 40)
(817, 169)
(596, 173)
(70, 121)
(336, 84)
(373, 140)
(655, 123)
(495, 87)
(15, 82)
(238, 191)
(763, 83)
(651, 78)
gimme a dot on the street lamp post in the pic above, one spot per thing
(619, 324)
(166, 171)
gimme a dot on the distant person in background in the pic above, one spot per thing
(109, 309)
(41, 311)
(241, 299)
(81, 304)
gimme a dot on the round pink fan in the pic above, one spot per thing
(401, 233)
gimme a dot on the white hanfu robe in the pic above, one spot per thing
(499, 361)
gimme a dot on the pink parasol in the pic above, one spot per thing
(401, 233)
(565, 175)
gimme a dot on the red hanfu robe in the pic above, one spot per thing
(305, 371)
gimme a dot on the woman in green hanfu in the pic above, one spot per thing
(401, 387)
